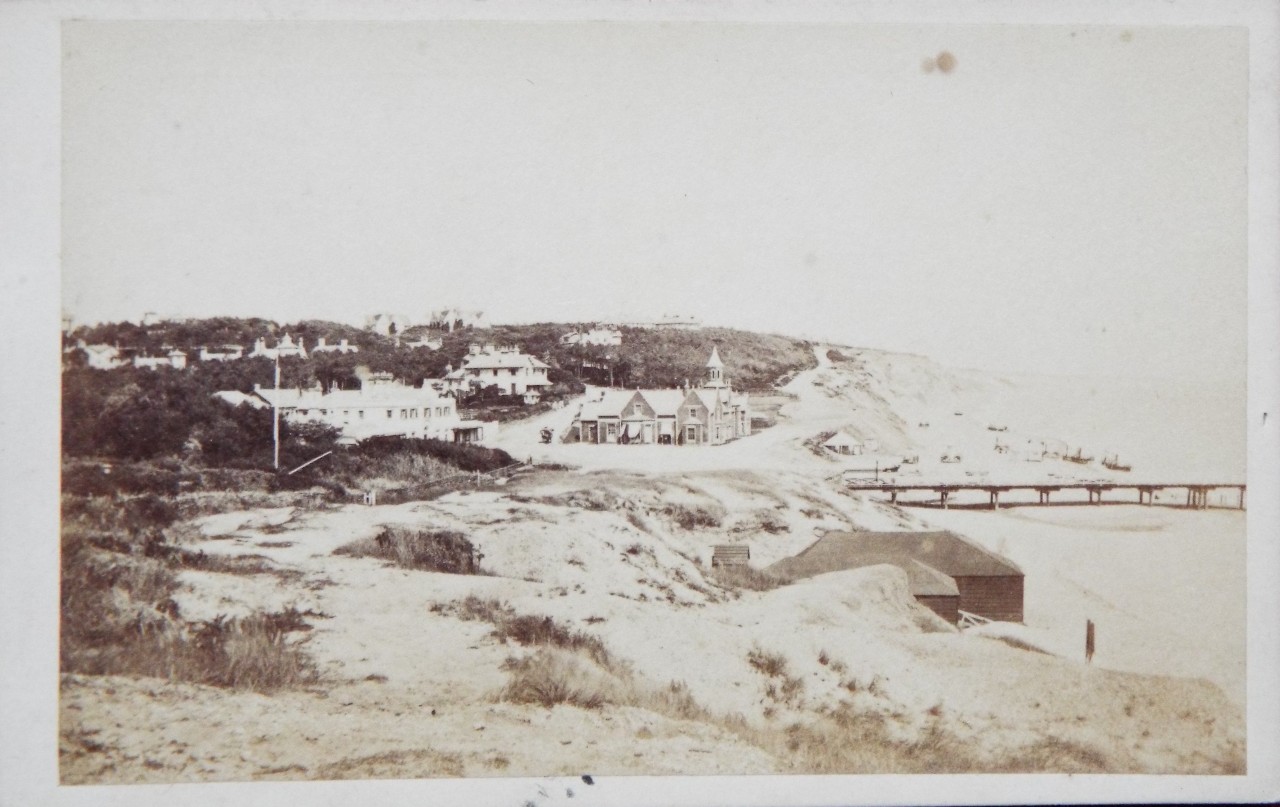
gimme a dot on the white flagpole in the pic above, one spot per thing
(275, 419)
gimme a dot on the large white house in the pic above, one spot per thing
(381, 407)
(512, 372)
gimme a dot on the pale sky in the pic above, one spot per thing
(1064, 200)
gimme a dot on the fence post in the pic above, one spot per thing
(1088, 641)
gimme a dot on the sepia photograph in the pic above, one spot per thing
(572, 400)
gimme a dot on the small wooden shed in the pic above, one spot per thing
(843, 443)
(730, 555)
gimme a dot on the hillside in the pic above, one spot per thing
(647, 357)
(672, 670)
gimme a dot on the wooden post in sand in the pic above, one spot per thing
(1088, 641)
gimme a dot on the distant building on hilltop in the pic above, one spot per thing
(174, 358)
(341, 347)
(429, 342)
(388, 324)
(222, 353)
(668, 322)
(285, 348)
(101, 357)
(603, 336)
(451, 319)
(710, 415)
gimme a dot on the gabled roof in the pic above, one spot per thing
(841, 438)
(707, 398)
(502, 361)
(665, 402)
(944, 551)
(614, 402)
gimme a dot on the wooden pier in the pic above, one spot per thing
(1197, 493)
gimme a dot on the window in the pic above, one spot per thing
(693, 411)
(362, 414)
(638, 409)
(389, 411)
(404, 414)
(611, 429)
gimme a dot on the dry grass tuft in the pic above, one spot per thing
(695, 516)
(773, 665)
(744, 578)
(530, 631)
(554, 676)
(426, 550)
(415, 763)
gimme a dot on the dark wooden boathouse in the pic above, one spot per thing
(946, 572)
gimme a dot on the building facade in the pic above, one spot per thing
(382, 407)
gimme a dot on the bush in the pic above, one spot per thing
(770, 664)
(745, 578)
(551, 676)
(427, 550)
(693, 516)
(530, 631)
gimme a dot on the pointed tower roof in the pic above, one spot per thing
(714, 361)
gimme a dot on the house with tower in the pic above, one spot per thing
(712, 414)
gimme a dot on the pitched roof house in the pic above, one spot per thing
(946, 572)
